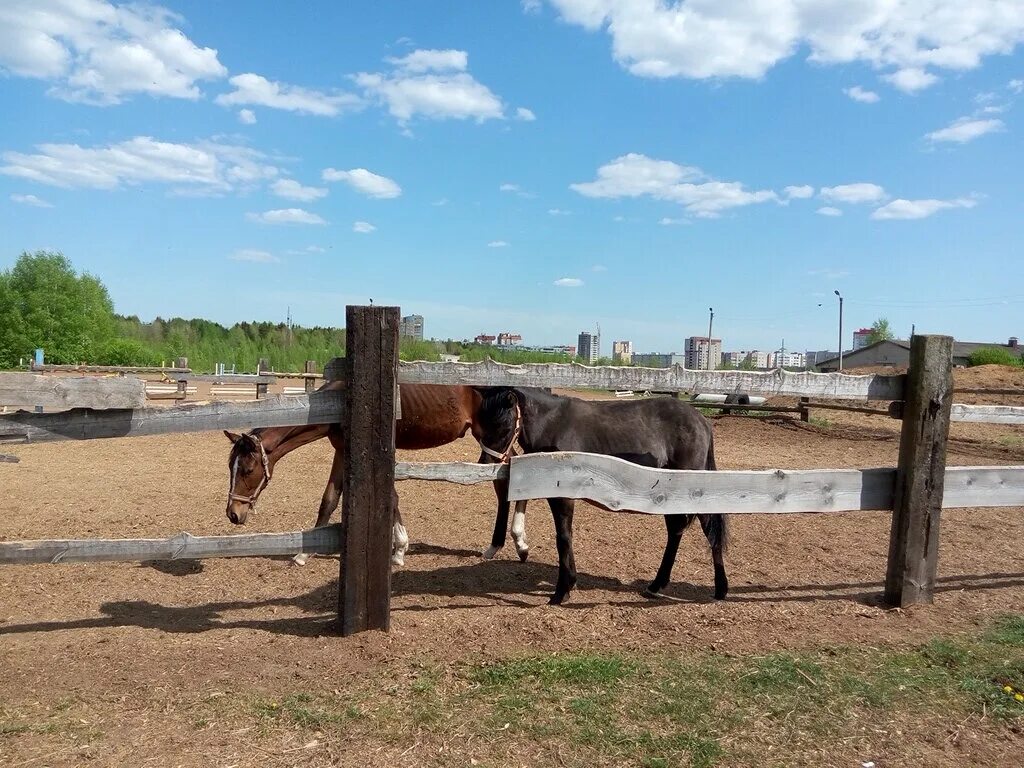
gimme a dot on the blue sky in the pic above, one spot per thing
(537, 167)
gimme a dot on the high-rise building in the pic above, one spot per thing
(622, 352)
(589, 347)
(411, 327)
(506, 339)
(861, 338)
(699, 350)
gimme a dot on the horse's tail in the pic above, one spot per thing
(716, 529)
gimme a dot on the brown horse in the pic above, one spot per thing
(432, 415)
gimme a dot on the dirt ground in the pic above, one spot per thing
(120, 650)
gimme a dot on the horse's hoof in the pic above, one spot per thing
(490, 552)
(523, 554)
(301, 558)
(557, 599)
(398, 560)
(652, 594)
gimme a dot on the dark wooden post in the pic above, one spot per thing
(310, 382)
(261, 390)
(182, 393)
(805, 414)
(364, 596)
(920, 476)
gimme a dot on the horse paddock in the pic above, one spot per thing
(234, 661)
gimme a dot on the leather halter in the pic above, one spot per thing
(509, 451)
(264, 481)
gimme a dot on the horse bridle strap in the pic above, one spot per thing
(265, 461)
(505, 457)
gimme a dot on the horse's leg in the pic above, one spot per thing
(562, 510)
(675, 525)
(714, 529)
(500, 520)
(519, 531)
(399, 536)
(332, 493)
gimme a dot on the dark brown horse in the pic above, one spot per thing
(432, 415)
(662, 432)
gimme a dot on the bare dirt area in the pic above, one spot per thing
(189, 663)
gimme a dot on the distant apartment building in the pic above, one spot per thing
(484, 338)
(812, 358)
(589, 347)
(788, 360)
(658, 359)
(861, 338)
(622, 352)
(411, 327)
(506, 339)
(702, 353)
(557, 349)
(748, 359)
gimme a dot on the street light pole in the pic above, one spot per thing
(710, 321)
(840, 330)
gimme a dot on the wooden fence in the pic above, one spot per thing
(916, 490)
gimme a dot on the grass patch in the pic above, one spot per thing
(819, 421)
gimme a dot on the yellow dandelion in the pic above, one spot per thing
(1007, 689)
(1019, 697)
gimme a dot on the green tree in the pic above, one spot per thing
(44, 303)
(880, 331)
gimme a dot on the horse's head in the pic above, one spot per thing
(249, 470)
(497, 424)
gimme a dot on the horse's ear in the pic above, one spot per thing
(510, 397)
(232, 436)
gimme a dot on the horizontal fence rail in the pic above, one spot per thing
(988, 414)
(182, 546)
(58, 368)
(320, 407)
(675, 379)
(30, 389)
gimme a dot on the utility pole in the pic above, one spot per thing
(710, 321)
(840, 330)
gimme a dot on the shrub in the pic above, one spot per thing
(993, 356)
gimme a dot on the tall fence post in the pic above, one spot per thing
(371, 362)
(310, 382)
(920, 475)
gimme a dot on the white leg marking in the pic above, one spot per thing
(301, 558)
(519, 530)
(399, 544)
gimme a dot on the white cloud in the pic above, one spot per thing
(801, 192)
(704, 39)
(966, 129)
(522, 113)
(568, 282)
(918, 209)
(860, 94)
(93, 51)
(911, 79)
(247, 116)
(828, 210)
(666, 221)
(599, 268)
(363, 227)
(531, 6)
(204, 167)
(253, 255)
(558, 212)
(1016, 86)
(516, 189)
(256, 89)
(431, 84)
(292, 190)
(636, 175)
(861, 192)
(497, 244)
(440, 202)
(30, 200)
(285, 216)
(362, 180)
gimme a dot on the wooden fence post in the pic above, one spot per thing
(310, 383)
(364, 595)
(917, 502)
(804, 412)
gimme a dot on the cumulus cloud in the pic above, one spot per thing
(285, 216)
(362, 180)
(801, 192)
(431, 84)
(966, 129)
(636, 175)
(901, 209)
(861, 192)
(701, 39)
(568, 282)
(860, 94)
(95, 52)
(497, 244)
(253, 255)
(522, 113)
(363, 227)
(203, 167)
(258, 90)
(828, 210)
(247, 116)
(30, 200)
(293, 190)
